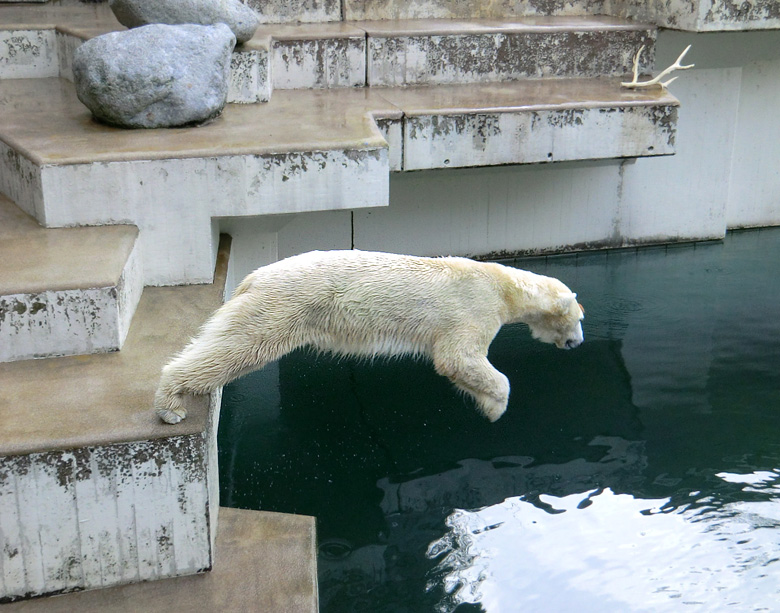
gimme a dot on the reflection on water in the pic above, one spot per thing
(640, 472)
(600, 551)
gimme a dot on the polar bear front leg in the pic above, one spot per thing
(476, 376)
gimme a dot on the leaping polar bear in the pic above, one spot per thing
(363, 303)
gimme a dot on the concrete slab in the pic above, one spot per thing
(463, 9)
(35, 259)
(431, 52)
(94, 490)
(264, 562)
(50, 15)
(64, 291)
(44, 120)
(299, 11)
(531, 121)
(316, 55)
(702, 15)
(82, 401)
(39, 42)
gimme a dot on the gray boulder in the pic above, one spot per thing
(155, 76)
(241, 19)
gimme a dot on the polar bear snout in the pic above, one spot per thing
(573, 339)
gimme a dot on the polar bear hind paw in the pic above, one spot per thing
(172, 416)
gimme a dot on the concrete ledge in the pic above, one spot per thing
(263, 562)
(39, 42)
(437, 52)
(464, 9)
(105, 515)
(316, 56)
(531, 122)
(702, 15)
(65, 292)
(94, 489)
(86, 401)
(306, 150)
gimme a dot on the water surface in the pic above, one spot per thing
(639, 472)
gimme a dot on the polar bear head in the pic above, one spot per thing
(559, 322)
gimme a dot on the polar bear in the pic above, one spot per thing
(362, 303)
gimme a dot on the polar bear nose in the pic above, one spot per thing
(572, 343)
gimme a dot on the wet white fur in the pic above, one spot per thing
(370, 304)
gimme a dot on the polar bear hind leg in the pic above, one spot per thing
(223, 351)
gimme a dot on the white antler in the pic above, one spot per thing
(635, 83)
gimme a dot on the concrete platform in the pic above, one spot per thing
(306, 150)
(83, 401)
(263, 562)
(703, 15)
(38, 42)
(64, 291)
(450, 51)
(463, 9)
(94, 490)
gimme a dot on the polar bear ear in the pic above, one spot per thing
(565, 301)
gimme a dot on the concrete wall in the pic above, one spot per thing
(725, 175)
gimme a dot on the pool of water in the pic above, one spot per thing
(639, 472)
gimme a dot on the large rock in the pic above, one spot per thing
(155, 76)
(238, 17)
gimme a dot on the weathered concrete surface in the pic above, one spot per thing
(304, 151)
(250, 63)
(296, 11)
(264, 562)
(94, 490)
(465, 9)
(105, 515)
(41, 42)
(156, 75)
(317, 56)
(702, 15)
(108, 398)
(28, 54)
(240, 18)
(67, 291)
(428, 52)
(534, 121)
(250, 72)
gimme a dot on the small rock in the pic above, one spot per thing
(237, 16)
(155, 76)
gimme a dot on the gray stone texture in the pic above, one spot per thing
(241, 19)
(155, 76)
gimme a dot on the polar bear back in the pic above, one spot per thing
(369, 303)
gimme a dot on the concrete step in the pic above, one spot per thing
(354, 54)
(65, 291)
(431, 52)
(549, 120)
(694, 15)
(94, 489)
(39, 41)
(305, 150)
(263, 562)
(321, 55)
(702, 15)
(466, 9)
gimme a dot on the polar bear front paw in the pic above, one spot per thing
(172, 416)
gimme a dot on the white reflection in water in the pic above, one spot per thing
(599, 552)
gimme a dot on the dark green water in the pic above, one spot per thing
(639, 472)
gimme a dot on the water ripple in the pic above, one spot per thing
(601, 552)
